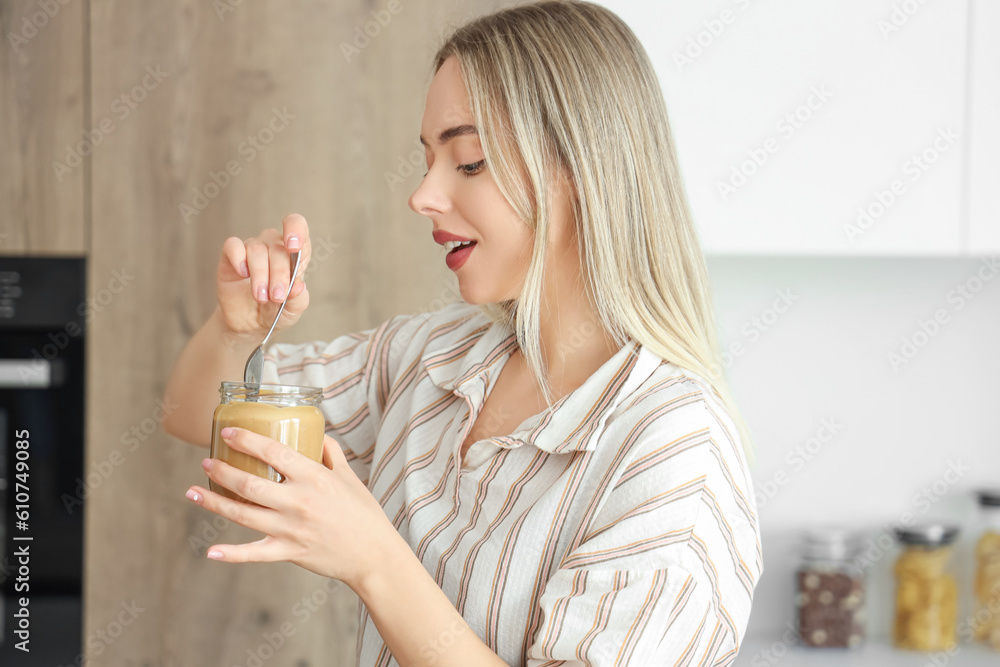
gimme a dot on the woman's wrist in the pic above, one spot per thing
(382, 573)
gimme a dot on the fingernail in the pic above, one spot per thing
(215, 554)
(228, 432)
(193, 495)
(206, 463)
(293, 242)
(244, 270)
(279, 291)
(262, 293)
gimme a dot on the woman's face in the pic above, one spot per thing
(461, 197)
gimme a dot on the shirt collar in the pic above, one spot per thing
(575, 422)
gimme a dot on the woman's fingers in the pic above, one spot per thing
(280, 273)
(256, 489)
(264, 550)
(258, 262)
(253, 517)
(333, 454)
(296, 239)
(234, 256)
(295, 232)
(282, 458)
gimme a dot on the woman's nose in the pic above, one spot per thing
(429, 197)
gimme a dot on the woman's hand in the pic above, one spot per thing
(253, 277)
(321, 517)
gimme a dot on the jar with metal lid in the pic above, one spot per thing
(829, 590)
(986, 619)
(286, 413)
(926, 590)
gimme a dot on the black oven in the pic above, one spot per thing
(43, 309)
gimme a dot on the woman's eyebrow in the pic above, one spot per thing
(451, 133)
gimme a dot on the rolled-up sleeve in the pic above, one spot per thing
(666, 572)
(356, 372)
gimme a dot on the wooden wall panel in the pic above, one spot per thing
(42, 120)
(218, 77)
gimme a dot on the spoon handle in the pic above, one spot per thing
(295, 271)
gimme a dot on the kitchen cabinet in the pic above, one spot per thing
(984, 115)
(818, 128)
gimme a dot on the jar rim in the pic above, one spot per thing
(275, 388)
(275, 394)
(989, 497)
(831, 542)
(928, 534)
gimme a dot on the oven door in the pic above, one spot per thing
(42, 492)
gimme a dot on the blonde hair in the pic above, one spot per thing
(565, 86)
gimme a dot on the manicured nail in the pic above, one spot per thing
(262, 293)
(228, 432)
(279, 291)
(193, 495)
(293, 242)
(244, 270)
(206, 463)
(215, 554)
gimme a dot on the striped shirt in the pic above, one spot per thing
(619, 528)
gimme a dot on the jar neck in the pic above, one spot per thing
(834, 563)
(928, 560)
(271, 394)
(991, 517)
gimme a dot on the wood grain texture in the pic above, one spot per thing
(220, 76)
(42, 120)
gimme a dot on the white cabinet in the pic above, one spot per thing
(831, 128)
(984, 115)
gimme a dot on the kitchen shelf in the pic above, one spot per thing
(875, 653)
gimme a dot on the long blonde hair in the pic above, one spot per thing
(565, 85)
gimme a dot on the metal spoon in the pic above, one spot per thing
(255, 364)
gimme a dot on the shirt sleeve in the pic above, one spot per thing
(356, 372)
(666, 572)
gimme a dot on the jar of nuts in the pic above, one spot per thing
(926, 592)
(986, 621)
(829, 590)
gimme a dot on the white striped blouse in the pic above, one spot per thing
(620, 528)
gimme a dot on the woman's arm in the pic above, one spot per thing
(250, 284)
(415, 618)
(356, 543)
(211, 356)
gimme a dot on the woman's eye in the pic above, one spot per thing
(472, 169)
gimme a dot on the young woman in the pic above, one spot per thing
(551, 472)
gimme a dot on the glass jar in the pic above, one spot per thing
(829, 590)
(926, 591)
(286, 413)
(986, 620)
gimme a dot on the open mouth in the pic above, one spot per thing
(458, 253)
(455, 246)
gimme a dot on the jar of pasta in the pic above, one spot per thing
(926, 592)
(986, 620)
(829, 590)
(286, 413)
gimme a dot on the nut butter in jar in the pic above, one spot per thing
(926, 592)
(986, 620)
(286, 413)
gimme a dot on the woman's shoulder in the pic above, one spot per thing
(442, 327)
(676, 403)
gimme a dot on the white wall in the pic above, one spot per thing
(826, 357)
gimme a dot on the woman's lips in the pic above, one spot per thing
(441, 237)
(456, 258)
